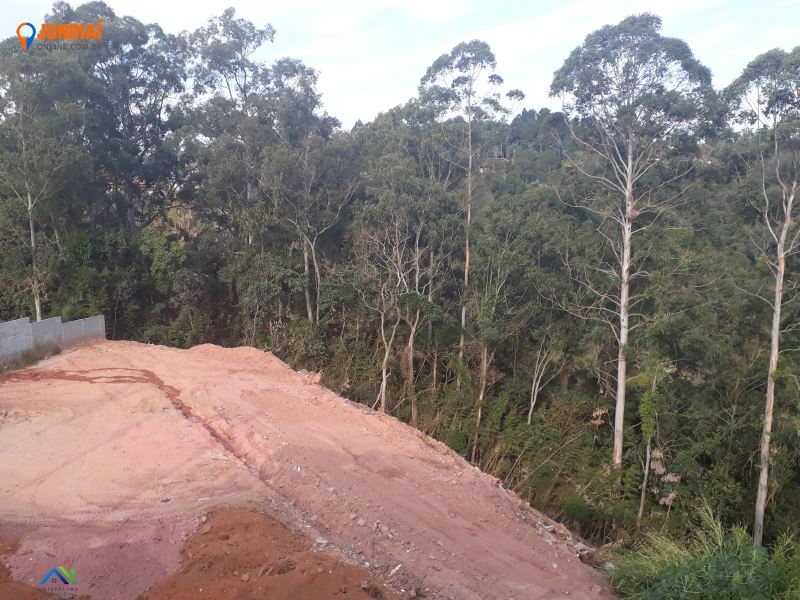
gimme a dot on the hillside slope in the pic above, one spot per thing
(110, 452)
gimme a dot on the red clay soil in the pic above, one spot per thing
(243, 554)
(14, 590)
(111, 453)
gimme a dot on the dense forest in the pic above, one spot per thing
(597, 305)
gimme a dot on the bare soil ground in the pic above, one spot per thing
(111, 454)
(240, 553)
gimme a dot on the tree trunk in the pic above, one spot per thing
(61, 254)
(434, 374)
(534, 397)
(622, 361)
(410, 386)
(249, 204)
(484, 374)
(307, 278)
(763, 476)
(434, 371)
(643, 494)
(624, 293)
(317, 279)
(543, 360)
(383, 392)
(37, 298)
(462, 339)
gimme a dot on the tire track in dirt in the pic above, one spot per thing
(141, 376)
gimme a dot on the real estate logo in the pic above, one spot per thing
(60, 580)
(60, 36)
(26, 41)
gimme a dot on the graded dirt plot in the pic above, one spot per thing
(110, 453)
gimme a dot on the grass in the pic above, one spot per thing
(716, 563)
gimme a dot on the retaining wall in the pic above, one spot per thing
(20, 335)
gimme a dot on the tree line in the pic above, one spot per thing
(597, 305)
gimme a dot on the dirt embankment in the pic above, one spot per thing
(111, 454)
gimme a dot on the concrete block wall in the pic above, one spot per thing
(20, 335)
(46, 333)
(15, 337)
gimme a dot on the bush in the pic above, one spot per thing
(739, 572)
(576, 509)
(716, 564)
(457, 440)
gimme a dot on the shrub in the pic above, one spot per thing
(715, 564)
(576, 509)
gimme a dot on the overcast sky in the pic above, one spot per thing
(371, 53)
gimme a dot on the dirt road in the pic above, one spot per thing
(111, 452)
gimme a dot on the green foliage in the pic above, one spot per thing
(458, 441)
(713, 563)
(576, 509)
(189, 328)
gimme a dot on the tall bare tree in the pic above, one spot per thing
(767, 98)
(630, 94)
(463, 84)
(546, 359)
(384, 263)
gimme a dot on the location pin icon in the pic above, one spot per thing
(26, 42)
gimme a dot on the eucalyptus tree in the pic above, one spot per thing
(307, 175)
(310, 186)
(631, 96)
(767, 100)
(233, 115)
(383, 258)
(464, 86)
(41, 138)
(499, 293)
(397, 190)
(407, 164)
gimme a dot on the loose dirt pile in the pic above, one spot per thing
(110, 454)
(242, 554)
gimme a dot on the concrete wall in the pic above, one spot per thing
(20, 335)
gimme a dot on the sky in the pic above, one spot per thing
(371, 54)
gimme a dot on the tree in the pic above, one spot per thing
(235, 124)
(39, 137)
(767, 98)
(500, 306)
(383, 259)
(544, 370)
(310, 186)
(400, 192)
(131, 116)
(463, 84)
(631, 96)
